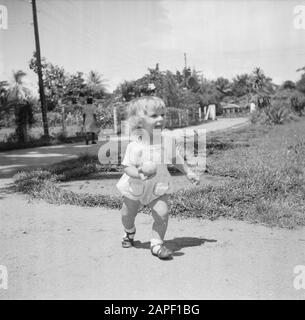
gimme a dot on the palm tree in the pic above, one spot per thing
(241, 85)
(96, 85)
(261, 86)
(20, 98)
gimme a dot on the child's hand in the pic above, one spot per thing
(147, 170)
(195, 179)
(144, 177)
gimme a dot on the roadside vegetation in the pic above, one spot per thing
(265, 167)
(263, 163)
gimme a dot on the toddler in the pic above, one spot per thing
(146, 119)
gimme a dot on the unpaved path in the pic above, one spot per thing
(67, 252)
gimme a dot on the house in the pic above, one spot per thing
(231, 108)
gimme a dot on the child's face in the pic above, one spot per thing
(154, 119)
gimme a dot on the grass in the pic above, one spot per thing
(36, 138)
(37, 132)
(267, 165)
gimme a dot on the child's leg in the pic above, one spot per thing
(86, 138)
(160, 215)
(93, 137)
(159, 208)
(128, 214)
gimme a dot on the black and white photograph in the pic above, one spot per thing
(152, 150)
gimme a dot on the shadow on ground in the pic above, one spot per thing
(177, 244)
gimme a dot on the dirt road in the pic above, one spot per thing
(69, 252)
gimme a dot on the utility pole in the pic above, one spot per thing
(185, 70)
(39, 71)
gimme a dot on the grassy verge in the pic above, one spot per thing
(39, 142)
(267, 164)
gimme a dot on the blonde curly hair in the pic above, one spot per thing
(139, 107)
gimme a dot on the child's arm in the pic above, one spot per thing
(182, 166)
(131, 163)
(185, 169)
(136, 173)
(133, 172)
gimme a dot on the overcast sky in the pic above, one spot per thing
(121, 39)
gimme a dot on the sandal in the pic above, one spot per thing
(163, 253)
(128, 242)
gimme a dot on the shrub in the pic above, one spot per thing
(297, 101)
(276, 113)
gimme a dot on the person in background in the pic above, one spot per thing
(90, 121)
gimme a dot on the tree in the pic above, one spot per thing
(54, 78)
(193, 82)
(3, 93)
(75, 89)
(241, 85)
(61, 86)
(136, 88)
(171, 90)
(96, 87)
(300, 85)
(209, 93)
(261, 87)
(223, 85)
(168, 86)
(20, 98)
(288, 84)
(3, 100)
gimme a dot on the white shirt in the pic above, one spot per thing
(146, 191)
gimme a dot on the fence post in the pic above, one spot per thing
(115, 119)
(63, 118)
(212, 112)
(206, 112)
(199, 112)
(252, 107)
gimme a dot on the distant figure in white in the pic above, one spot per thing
(89, 121)
(252, 107)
